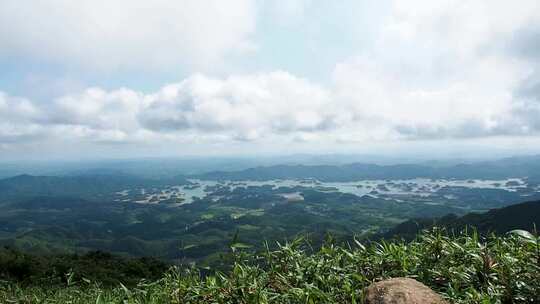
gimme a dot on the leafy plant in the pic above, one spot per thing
(463, 268)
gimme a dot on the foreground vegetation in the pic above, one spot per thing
(54, 270)
(464, 268)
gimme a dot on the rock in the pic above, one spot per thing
(401, 291)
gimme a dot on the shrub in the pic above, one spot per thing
(464, 268)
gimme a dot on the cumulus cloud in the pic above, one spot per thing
(441, 69)
(246, 106)
(17, 109)
(241, 108)
(127, 34)
(18, 119)
(99, 109)
(437, 69)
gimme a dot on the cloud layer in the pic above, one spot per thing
(245, 108)
(436, 70)
(126, 34)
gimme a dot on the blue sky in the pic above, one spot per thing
(88, 79)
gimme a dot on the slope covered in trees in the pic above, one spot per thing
(462, 268)
(519, 216)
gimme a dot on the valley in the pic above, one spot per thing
(111, 227)
(193, 218)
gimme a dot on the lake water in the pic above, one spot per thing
(186, 194)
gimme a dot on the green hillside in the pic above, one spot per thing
(462, 268)
(519, 216)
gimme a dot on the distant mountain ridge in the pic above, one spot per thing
(524, 216)
(323, 172)
(522, 166)
(500, 169)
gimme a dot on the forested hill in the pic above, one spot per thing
(89, 186)
(500, 169)
(520, 216)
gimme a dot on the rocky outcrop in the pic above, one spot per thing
(401, 291)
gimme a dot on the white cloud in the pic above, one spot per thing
(16, 109)
(99, 109)
(438, 69)
(247, 107)
(132, 34)
(18, 119)
(199, 108)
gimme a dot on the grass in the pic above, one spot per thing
(463, 268)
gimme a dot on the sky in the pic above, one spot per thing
(132, 78)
